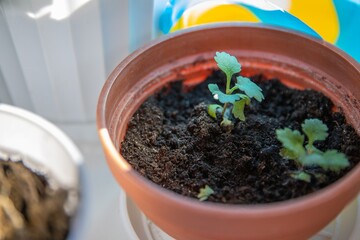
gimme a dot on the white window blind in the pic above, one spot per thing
(55, 55)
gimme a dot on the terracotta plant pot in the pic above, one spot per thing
(296, 59)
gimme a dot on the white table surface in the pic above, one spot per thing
(101, 215)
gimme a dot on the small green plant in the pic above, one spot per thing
(230, 66)
(309, 155)
(205, 192)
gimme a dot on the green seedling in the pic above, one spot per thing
(309, 155)
(205, 192)
(230, 66)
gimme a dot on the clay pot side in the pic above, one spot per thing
(298, 60)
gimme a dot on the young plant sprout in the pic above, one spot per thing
(230, 66)
(309, 155)
(205, 192)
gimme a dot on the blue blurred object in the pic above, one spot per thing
(336, 21)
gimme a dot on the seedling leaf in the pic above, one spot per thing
(315, 130)
(286, 153)
(314, 159)
(309, 155)
(250, 88)
(205, 192)
(227, 63)
(214, 88)
(226, 122)
(303, 176)
(230, 66)
(212, 108)
(335, 160)
(292, 141)
(238, 108)
(222, 97)
(329, 160)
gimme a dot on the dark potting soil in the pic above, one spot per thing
(172, 141)
(29, 207)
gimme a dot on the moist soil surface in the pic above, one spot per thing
(172, 141)
(29, 207)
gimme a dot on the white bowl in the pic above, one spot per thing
(46, 149)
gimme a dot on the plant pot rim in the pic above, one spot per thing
(268, 209)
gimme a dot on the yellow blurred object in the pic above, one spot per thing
(213, 12)
(320, 15)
